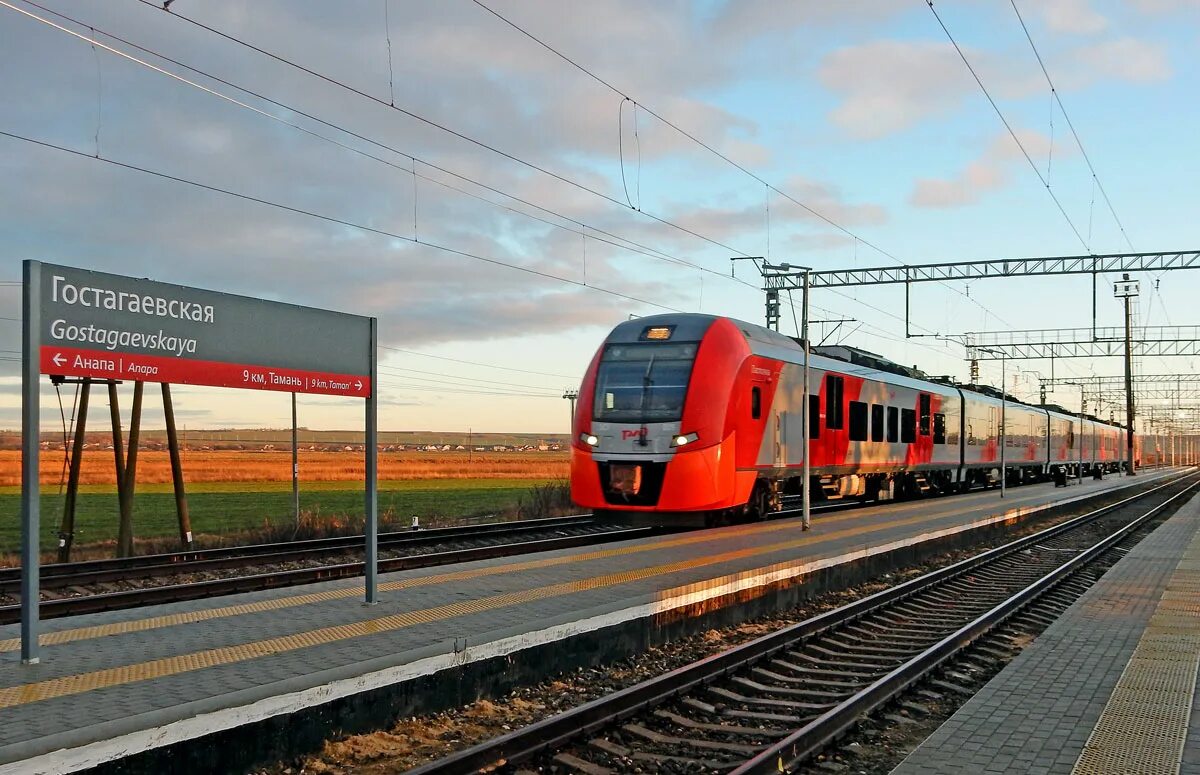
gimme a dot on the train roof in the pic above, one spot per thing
(851, 360)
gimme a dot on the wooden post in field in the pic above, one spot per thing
(125, 529)
(181, 507)
(114, 409)
(66, 530)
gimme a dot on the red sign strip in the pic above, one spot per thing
(72, 362)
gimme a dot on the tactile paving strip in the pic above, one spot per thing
(1144, 726)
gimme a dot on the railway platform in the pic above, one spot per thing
(1109, 687)
(218, 684)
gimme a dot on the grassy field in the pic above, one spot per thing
(236, 510)
(242, 497)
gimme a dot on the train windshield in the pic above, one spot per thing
(643, 382)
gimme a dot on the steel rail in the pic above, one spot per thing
(523, 744)
(199, 560)
(70, 606)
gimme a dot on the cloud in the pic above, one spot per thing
(1164, 6)
(980, 176)
(1126, 59)
(751, 19)
(1075, 17)
(889, 86)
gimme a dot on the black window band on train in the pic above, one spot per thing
(834, 386)
(908, 426)
(876, 422)
(893, 424)
(639, 383)
(925, 403)
(939, 429)
(858, 421)
(755, 403)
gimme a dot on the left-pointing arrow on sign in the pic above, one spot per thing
(58, 359)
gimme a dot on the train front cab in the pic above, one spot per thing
(652, 441)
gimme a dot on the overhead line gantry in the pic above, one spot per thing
(788, 278)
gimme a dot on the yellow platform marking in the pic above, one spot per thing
(1144, 726)
(189, 617)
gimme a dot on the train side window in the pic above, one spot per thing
(908, 426)
(755, 403)
(833, 401)
(893, 425)
(876, 422)
(939, 429)
(925, 403)
(858, 421)
(814, 417)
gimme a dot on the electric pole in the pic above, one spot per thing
(1128, 289)
(571, 395)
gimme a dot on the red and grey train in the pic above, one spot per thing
(693, 419)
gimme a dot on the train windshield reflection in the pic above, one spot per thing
(640, 383)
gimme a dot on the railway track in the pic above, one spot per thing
(773, 704)
(424, 549)
(58, 575)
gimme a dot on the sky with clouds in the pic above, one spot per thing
(498, 209)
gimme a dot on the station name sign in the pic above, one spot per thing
(106, 326)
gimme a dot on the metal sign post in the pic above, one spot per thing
(371, 532)
(94, 325)
(31, 324)
(806, 413)
(1003, 429)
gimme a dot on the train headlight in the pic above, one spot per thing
(589, 439)
(683, 439)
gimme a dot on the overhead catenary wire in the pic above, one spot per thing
(333, 219)
(475, 363)
(653, 253)
(607, 237)
(530, 165)
(264, 113)
(706, 146)
(1070, 125)
(1012, 133)
(439, 126)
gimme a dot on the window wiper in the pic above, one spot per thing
(646, 384)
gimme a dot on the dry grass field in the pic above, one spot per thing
(242, 496)
(154, 467)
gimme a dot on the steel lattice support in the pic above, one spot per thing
(1118, 382)
(1101, 349)
(978, 270)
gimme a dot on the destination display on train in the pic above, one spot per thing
(107, 326)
